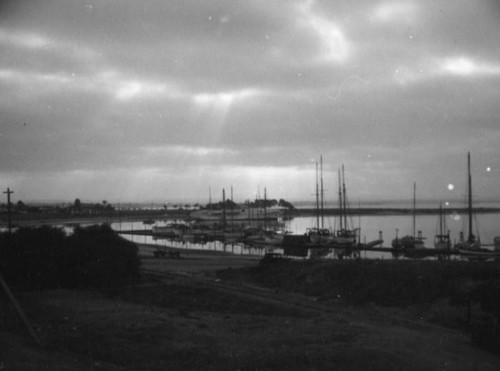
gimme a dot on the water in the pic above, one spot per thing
(234, 248)
(486, 226)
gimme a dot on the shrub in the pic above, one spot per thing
(45, 257)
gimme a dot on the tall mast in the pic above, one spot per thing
(340, 202)
(317, 198)
(322, 193)
(345, 198)
(414, 205)
(232, 210)
(265, 209)
(441, 221)
(470, 198)
(223, 208)
(210, 197)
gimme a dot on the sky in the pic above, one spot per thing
(152, 100)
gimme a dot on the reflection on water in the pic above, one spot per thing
(487, 226)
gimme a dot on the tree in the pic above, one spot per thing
(78, 203)
(20, 206)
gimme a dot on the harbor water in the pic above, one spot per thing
(486, 226)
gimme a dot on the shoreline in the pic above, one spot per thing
(30, 220)
(389, 211)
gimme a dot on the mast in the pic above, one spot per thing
(223, 208)
(232, 210)
(317, 198)
(322, 194)
(470, 238)
(440, 221)
(265, 209)
(345, 198)
(210, 197)
(414, 205)
(340, 202)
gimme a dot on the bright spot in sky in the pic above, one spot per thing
(460, 66)
(488, 169)
(451, 186)
(447, 203)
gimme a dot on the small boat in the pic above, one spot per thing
(481, 253)
(172, 230)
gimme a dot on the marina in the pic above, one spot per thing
(370, 227)
(324, 236)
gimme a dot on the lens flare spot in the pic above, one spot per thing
(488, 169)
(451, 187)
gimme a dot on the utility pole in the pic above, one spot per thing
(9, 209)
(4, 285)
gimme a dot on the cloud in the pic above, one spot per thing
(23, 39)
(221, 90)
(468, 67)
(394, 12)
(444, 67)
(180, 150)
(334, 46)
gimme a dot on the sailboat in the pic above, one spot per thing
(343, 239)
(410, 242)
(442, 241)
(470, 245)
(319, 235)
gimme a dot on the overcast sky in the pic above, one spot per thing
(126, 100)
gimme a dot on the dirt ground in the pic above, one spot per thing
(187, 322)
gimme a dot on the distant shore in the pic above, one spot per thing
(36, 219)
(388, 211)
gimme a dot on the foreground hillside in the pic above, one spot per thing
(313, 316)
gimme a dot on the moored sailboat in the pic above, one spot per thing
(409, 243)
(442, 241)
(470, 246)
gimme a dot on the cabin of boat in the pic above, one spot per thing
(408, 242)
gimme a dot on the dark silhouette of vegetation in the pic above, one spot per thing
(258, 203)
(228, 205)
(45, 258)
(77, 204)
(473, 287)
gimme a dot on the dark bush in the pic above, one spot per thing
(45, 257)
